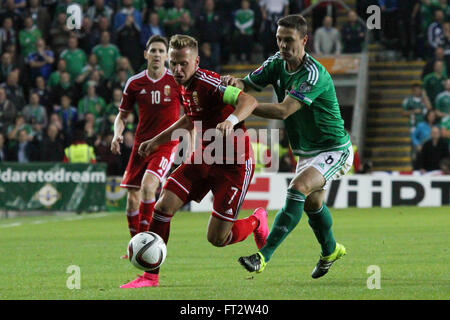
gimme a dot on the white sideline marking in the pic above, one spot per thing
(56, 219)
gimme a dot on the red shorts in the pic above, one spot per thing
(228, 183)
(157, 163)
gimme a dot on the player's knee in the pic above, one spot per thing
(148, 192)
(165, 207)
(303, 186)
(215, 240)
(132, 201)
(312, 205)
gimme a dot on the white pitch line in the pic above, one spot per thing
(57, 219)
(10, 225)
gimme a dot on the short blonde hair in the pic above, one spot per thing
(181, 41)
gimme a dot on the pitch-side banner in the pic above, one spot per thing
(53, 186)
(363, 191)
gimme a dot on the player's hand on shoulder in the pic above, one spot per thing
(229, 80)
(115, 144)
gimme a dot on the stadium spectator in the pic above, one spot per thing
(439, 55)
(55, 76)
(59, 35)
(41, 18)
(100, 83)
(352, 34)
(422, 131)
(103, 25)
(6, 66)
(23, 150)
(160, 9)
(244, 20)
(104, 154)
(7, 34)
(110, 112)
(41, 61)
(64, 87)
(99, 9)
(444, 6)
(151, 27)
(271, 11)
(91, 103)
(28, 37)
(3, 150)
(415, 106)
(17, 59)
(10, 11)
(327, 38)
(7, 111)
(206, 60)
(128, 41)
(445, 129)
(407, 27)
(52, 146)
(120, 80)
(19, 124)
(433, 152)
(34, 112)
(88, 69)
(68, 114)
(442, 104)
(435, 34)
(173, 17)
(75, 58)
(389, 20)
(14, 90)
(210, 28)
(107, 54)
(90, 128)
(186, 26)
(79, 151)
(120, 17)
(87, 39)
(433, 82)
(44, 94)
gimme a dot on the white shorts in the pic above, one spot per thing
(332, 164)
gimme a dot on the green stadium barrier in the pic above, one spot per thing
(47, 186)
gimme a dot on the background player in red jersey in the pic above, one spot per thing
(158, 98)
(218, 108)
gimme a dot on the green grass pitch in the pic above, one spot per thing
(409, 244)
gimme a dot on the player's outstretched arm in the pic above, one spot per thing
(244, 106)
(165, 136)
(229, 80)
(119, 126)
(278, 110)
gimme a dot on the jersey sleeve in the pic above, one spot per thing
(308, 91)
(128, 98)
(262, 77)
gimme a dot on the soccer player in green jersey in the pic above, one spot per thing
(308, 105)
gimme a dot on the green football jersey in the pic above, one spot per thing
(443, 102)
(413, 103)
(107, 57)
(76, 60)
(318, 126)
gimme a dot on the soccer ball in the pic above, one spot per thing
(147, 251)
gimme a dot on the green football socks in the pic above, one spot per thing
(321, 222)
(285, 221)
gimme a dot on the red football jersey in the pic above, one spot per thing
(158, 101)
(202, 100)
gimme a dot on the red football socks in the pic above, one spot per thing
(145, 213)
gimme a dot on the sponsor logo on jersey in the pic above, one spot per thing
(297, 94)
(143, 91)
(229, 211)
(258, 71)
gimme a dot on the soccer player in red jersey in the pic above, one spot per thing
(158, 98)
(217, 108)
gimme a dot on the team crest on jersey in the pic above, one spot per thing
(304, 87)
(258, 71)
(167, 93)
(195, 97)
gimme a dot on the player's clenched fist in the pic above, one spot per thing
(147, 147)
(225, 128)
(115, 144)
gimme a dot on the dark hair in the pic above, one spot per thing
(294, 21)
(157, 38)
